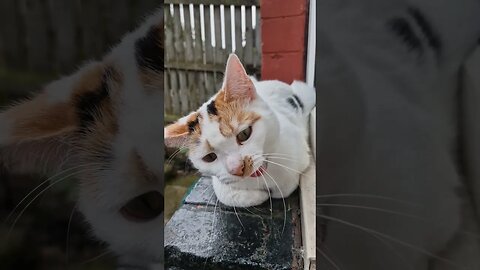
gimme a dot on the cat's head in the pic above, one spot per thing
(228, 135)
(102, 126)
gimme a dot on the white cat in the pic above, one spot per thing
(251, 137)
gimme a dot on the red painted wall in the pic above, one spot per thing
(284, 24)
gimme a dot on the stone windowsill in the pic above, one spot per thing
(202, 236)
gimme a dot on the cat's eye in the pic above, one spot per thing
(210, 157)
(244, 135)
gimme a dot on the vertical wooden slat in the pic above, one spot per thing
(189, 58)
(12, 34)
(228, 29)
(174, 93)
(257, 51)
(92, 28)
(198, 55)
(63, 24)
(167, 102)
(208, 35)
(248, 53)
(34, 15)
(179, 39)
(238, 32)
(218, 36)
(117, 20)
(169, 52)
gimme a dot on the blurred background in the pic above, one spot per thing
(42, 40)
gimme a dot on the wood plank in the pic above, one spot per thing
(174, 90)
(62, 14)
(12, 34)
(178, 35)
(248, 53)
(257, 56)
(228, 29)
(198, 54)
(208, 36)
(169, 45)
(117, 20)
(238, 33)
(187, 35)
(183, 92)
(219, 53)
(198, 46)
(36, 24)
(167, 102)
(216, 2)
(92, 28)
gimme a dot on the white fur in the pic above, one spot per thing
(281, 130)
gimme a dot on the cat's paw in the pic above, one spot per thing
(231, 196)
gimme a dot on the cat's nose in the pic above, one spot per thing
(238, 171)
(235, 164)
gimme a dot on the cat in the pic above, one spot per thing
(250, 137)
(393, 190)
(103, 124)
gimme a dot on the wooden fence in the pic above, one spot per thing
(199, 36)
(57, 35)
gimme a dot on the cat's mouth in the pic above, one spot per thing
(144, 207)
(260, 171)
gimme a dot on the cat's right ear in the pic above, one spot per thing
(178, 133)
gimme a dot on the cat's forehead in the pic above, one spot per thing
(227, 117)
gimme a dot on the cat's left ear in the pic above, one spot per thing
(178, 133)
(237, 84)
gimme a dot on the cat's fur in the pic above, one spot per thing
(391, 125)
(277, 113)
(104, 122)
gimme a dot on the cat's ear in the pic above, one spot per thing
(38, 132)
(237, 84)
(177, 134)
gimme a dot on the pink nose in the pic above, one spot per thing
(235, 164)
(238, 171)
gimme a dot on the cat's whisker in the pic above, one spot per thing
(371, 208)
(388, 211)
(282, 158)
(67, 240)
(175, 153)
(283, 200)
(370, 196)
(38, 195)
(235, 210)
(390, 246)
(269, 196)
(95, 258)
(392, 239)
(38, 186)
(286, 167)
(330, 261)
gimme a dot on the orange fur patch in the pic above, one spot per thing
(229, 113)
(247, 166)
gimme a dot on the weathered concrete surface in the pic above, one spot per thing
(204, 234)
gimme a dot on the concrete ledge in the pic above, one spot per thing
(201, 235)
